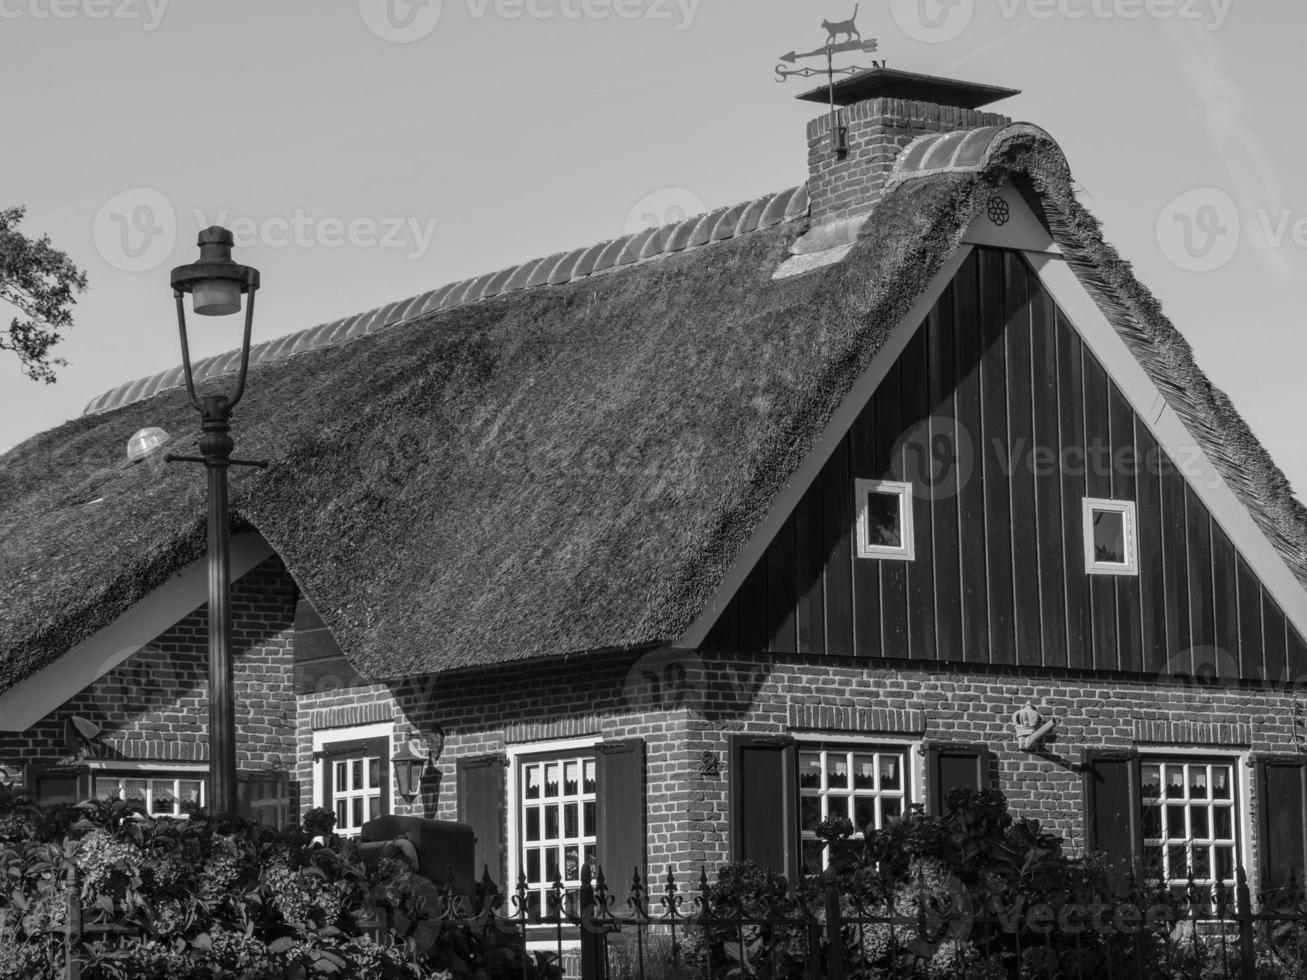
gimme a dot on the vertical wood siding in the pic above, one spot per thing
(1004, 422)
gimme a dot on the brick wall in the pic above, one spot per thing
(154, 707)
(703, 700)
(878, 129)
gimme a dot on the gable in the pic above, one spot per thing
(1004, 420)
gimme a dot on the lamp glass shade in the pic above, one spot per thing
(216, 297)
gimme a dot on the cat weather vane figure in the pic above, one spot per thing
(853, 41)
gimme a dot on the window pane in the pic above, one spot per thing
(890, 808)
(165, 803)
(107, 788)
(134, 791)
(1152, 822)
(356, 771)
(1177, 858)
(1220, 783)
(883, 520)
(589, 829)
(1202, 863)
(1175, 825)
(837, 806)
(1109, 537)
(1198, 782)
(1150, 776)
(374, 807)
(810, 770)
(1223, 818)
(572, 863)
(533, 782)
(891, 773)
(533, 824)
(1198, 822)
(864, 772)
(552, 775)
(551, 863)
(572, 820)
(572, 780)
(374, 773)
(342, 815)
(837, 771)
(1224, 863)
(809, 812)
(533, 864)
(189, 793)
(864, 813)
(341, 777)
(1175, 782)
(551, 822)
(812, 855)
(357, 812)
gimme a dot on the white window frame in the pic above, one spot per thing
(870, 744)
(1241, 788)
(330, 736)
(513, 802)
(1129, 512)
(907, 551)
(148, 772)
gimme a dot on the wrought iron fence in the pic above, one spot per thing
(819, 929)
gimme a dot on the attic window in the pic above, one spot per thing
(1111, 538)
(885, 520)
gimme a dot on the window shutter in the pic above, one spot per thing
(1282, 829)
(59, 784)
(1113, 824)
(764, 802)
(481, 805)
(620, 773)
(953, 767)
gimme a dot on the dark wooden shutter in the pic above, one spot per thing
(481, 805)
(621, 791)
(764, 802)
(1282, 826)
(952, 767)
(1113, 820)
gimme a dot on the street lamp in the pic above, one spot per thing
(216, 285)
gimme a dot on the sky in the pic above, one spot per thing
(369, 150)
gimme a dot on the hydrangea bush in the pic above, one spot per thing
(205, 898)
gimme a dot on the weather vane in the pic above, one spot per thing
(853, 41)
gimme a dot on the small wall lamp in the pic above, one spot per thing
(411, 759)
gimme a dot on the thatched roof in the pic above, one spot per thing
(565, 468)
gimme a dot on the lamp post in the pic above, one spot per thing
(216, 285)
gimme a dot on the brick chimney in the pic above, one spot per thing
(882, 111)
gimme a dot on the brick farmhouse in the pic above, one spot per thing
(822, 504)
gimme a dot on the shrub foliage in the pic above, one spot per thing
(204, 898)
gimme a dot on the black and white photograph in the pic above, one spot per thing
(653, 490)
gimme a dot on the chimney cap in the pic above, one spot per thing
(889, 83)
